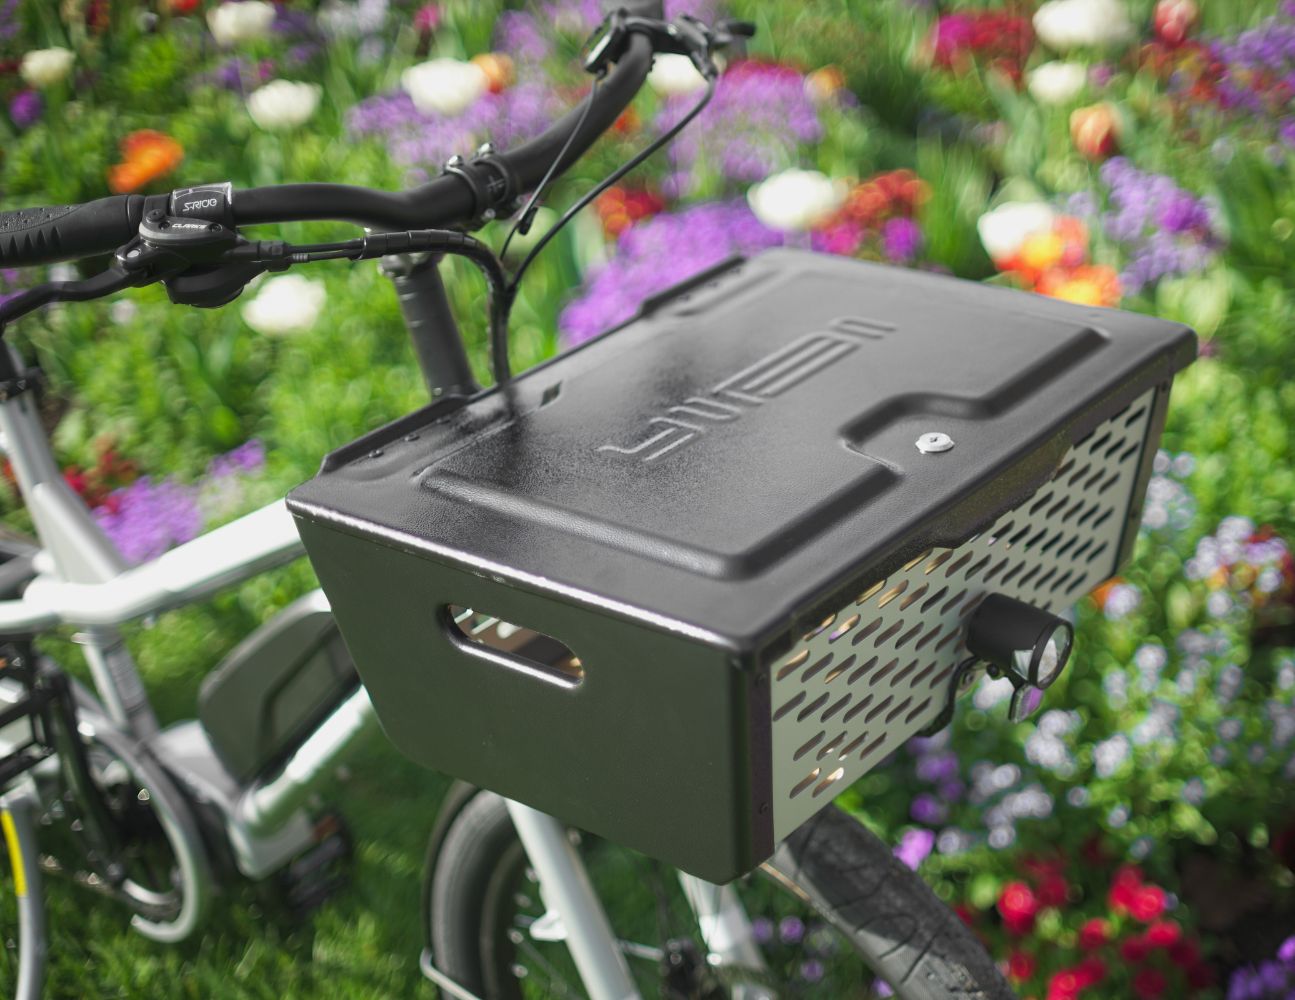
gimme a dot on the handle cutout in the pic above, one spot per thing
(514, 646)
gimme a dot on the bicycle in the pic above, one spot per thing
(563, 499)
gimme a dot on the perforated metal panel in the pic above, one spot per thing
(879, 669)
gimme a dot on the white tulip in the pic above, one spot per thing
(282, 104)
(235, 23)
(287, 304)
(1004, 230)
(46, 67)
(1073, 24)
(444, 86)
(796, 200)
(673, 74)
(1058, 82)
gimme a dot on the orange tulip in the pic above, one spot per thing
(146, 156)
(824, 83)
(1088, 285)
(1096, 130)
(498, 68)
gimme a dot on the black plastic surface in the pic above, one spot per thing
(44, 235)
(723, 464)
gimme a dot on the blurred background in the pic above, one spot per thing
(1138, 838)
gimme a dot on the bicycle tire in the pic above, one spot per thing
(840, 870)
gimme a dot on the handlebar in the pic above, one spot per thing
(44, 235)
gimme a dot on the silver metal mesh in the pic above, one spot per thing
(878, 671)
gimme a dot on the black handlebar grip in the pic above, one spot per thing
(652, 9)
(45, 235)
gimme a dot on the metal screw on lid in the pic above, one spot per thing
(933, 443)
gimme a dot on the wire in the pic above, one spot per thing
(525, 216)
(602, 186)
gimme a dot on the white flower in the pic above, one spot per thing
(282, 104)
(673, 74)
(46, 67)
(444, 86)
(1057, 82)
(338, 19)
(235, 23)
(796, 199)
(1071, 24)
(1004, 230)
(287, 304)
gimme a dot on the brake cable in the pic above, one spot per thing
(206, 264)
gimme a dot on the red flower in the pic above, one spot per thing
(1124, 887)
(1185, 952)
(1053, 890)
(1018, 906)
(1163, 934)
(1148, 903)
(1020, 966)
(1094, 934)
(966, 914)
(1134, 949)
(1149, 984)
(1091, 971)
(1173, 20)
(1065, 985)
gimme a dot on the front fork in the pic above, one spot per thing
(569, 895)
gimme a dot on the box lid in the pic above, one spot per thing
(747, 446)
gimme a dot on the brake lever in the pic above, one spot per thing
(104, 283)
(685, 35)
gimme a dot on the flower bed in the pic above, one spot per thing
(1138, 838)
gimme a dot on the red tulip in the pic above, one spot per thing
(1134, 949)
(1173, 20)
(1094, 934)
(1148, 903)
(1149, 984)
(1020, 966)
(1018, 906)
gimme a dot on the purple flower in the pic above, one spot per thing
(246, 458)
(937, 767)
(901, 240)
(754, 126)
(791, 930)
(658, 253)
(812, 971)
(416, 139)
(1163, 230)
(926, 808)
(1287, 950)
(146, 518)
(10, 20)
(914, 847)
(25, 108)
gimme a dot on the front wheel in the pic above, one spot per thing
(833, 913)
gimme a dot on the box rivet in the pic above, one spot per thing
(933, 442)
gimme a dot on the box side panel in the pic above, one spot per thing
(649, 749)
(880, 669)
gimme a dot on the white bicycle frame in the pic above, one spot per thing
(84, 582)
